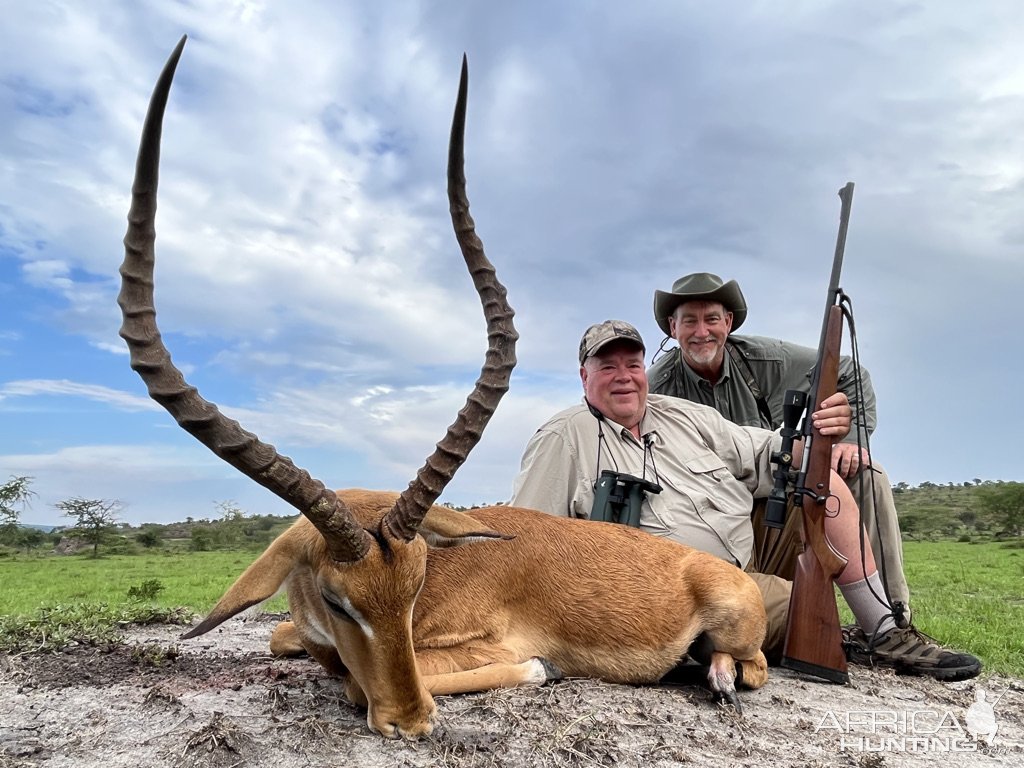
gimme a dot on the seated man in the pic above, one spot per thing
(710, 470)
(745, 378)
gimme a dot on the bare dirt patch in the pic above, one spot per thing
(221, 700)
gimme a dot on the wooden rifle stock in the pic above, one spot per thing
(814, 640)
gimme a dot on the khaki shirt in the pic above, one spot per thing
(709, 468)
(776, 366)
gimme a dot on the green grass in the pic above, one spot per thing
(969, 597)
(194, 580)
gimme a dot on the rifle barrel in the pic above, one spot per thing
(846, 196)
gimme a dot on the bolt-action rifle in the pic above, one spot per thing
(814, 642)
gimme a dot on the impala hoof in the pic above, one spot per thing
(729, 698)
(551, 672)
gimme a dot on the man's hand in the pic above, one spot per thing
(833, 418)
(848, 459)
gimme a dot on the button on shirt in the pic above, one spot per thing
(710, 470)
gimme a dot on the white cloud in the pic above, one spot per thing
(63, 387)
(307, 276)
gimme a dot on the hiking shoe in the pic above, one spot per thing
(909, 652)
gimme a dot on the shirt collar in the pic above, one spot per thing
(695, 378)
(624, 431)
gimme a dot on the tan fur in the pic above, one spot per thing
(594, 599)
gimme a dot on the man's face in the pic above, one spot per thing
(615, 382)
(701, 328)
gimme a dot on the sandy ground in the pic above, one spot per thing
(221, 700)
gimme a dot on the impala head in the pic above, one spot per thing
(368, 564)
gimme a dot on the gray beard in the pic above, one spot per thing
(701, 359)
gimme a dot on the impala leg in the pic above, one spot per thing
(722, 679)
(752, 667)
(754, 672)
(326, 655)
(533, 671)
(285, 640)
(732, 636)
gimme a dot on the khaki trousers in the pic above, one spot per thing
(772, 566)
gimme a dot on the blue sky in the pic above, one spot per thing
(309, 283)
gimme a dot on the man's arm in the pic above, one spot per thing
(800, 361)
(548, 476)
(747, 451)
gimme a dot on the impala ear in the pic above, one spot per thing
(261, 581)
(442, 527)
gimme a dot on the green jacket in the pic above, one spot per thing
(775, 367)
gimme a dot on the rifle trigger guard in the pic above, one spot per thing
(832, 510)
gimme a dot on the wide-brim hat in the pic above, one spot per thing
(600, 335)
(700, 286)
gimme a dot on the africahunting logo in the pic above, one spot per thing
(915, 730)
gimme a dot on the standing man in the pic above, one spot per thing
(710, 470)
(745, 378)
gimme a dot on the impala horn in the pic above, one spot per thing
(345, 539)
(404, 518)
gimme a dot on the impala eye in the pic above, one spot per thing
(336, 606)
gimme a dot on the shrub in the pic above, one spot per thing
(150, 538)
(52, 628)
(147, 590)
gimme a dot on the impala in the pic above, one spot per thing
(404, 599)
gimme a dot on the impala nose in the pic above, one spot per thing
(405, 725)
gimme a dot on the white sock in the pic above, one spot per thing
(872, 616)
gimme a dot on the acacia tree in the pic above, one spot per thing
(94, 518)
(14, 497)
(1005, 502)
(30, 538)
(232, 529)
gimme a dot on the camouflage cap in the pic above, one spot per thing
(600, 334)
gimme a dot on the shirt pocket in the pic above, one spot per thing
(707, 466)
(714, 490)
(722, 504)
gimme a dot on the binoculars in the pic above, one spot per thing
(618, 496)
